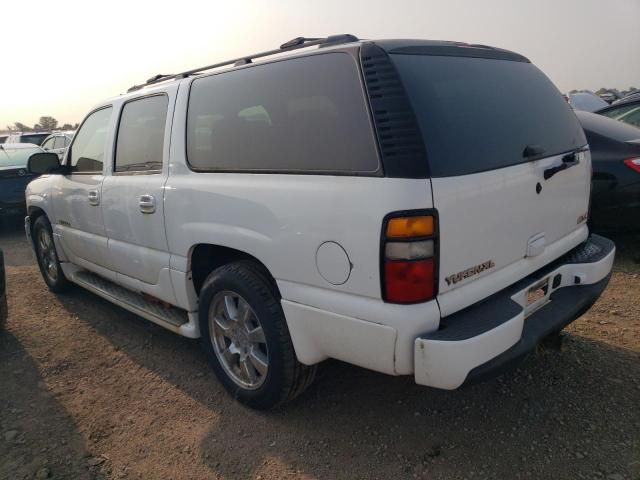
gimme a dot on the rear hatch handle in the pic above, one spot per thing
(569, 160)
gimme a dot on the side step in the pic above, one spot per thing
(172, 318)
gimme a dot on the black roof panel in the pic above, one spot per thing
(447, 48)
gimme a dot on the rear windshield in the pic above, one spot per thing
(480, 114)
(586, 102)
(35, 138)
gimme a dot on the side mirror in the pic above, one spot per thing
(42, 163)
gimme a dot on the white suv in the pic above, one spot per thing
(412, 207)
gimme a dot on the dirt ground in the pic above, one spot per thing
(89, 391)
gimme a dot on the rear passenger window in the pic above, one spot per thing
(301, 115)
(140, 140)
(58, 142)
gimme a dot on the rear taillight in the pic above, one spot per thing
(633, 164)
(409, 248)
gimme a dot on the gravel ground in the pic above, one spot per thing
(89, 391)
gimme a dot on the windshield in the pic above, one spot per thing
(479, 114)
(16, 157)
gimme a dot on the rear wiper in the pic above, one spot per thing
(532, 151)
(568, 161)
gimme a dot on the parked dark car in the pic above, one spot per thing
(3, 293)
(14, 176)
(586, 101)
(626, 110)
(615, 155)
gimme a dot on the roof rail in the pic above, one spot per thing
(293, 44)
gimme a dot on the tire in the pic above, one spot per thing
(4, 309)
(47, 256)
(241, 297)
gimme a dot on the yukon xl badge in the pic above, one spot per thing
(469, 272)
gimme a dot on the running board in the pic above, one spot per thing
(172, 318)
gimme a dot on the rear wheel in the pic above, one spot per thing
(47, 256)
(246, 338)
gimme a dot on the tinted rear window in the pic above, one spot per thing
(302, 115)
(36, 138)
(478, 114)
(141, 134)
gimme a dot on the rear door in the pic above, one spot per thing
(133, 192)
(509, 173)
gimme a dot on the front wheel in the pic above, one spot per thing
(47, 257)
(4, 310)
(246, 339)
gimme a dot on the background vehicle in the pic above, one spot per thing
(615, 156)
(586, 101)
(28, 137)
(57, 143)
(610, 96)
(634, 95)
(3, 138)
(626, 110)
(14, 176)
(288, 212)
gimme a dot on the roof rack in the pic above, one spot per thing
(293, 44)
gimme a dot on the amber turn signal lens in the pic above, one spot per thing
(403, 227)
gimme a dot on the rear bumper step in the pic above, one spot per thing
(484, 339)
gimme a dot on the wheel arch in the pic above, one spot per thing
(204, 258)
(34, 213)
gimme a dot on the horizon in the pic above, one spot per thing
(129, 43)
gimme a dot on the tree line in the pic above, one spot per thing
(45, 123)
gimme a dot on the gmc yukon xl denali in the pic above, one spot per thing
(413, 207)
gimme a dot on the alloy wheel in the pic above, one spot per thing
(238, 340)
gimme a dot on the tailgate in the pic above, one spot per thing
(492, 219)
(510, 170)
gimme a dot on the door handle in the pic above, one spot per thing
(94, 197)
(569, 160)
(147, 204)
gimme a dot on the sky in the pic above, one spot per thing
(62, 58)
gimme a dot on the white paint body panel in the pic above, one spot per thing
(82, 232)
(493, 216)
(137, 240)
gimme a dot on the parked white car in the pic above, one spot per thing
(413, 207)
(57, 143)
